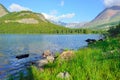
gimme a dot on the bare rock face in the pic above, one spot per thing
(28, 21)
(24, 21)
(64, 75)
(66, 55)
(3, 11)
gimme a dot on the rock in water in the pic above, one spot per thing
(22, 56)
(46, 53)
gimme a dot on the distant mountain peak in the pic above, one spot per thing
(106, 18)
(108, 13)
(116, 7)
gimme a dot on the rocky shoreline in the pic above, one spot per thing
(39, 61)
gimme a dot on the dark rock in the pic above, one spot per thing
(101, 40)
(22, 56)
(90, 40)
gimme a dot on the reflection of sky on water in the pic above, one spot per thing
(11, 45)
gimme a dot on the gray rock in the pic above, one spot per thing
(50, 59)
(41, 63)
(66, 55)
(46, 53)
(64, 75)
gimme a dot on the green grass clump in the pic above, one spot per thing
(88, 64)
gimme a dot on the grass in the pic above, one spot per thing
(41, 28)
(91, 63)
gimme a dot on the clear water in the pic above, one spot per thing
(11, 45)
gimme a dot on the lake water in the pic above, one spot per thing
(11, 45)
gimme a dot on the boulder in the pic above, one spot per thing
(41, 63)
(50, 59)
(66, 55)
(46, 53)
(64, 75)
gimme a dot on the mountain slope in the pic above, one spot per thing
(3, 10)
(26, 22)
(26, 17)
(106, 18)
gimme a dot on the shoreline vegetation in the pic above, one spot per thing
(16, 28)
(99, 61)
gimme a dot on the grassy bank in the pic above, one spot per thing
(42, 28)
(99, 61)
(88, 64)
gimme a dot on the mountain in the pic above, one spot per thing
(3, 10)
(106, 18)
(75, 25)
(70, 25)
(59, 23)
(25, 22)
(24, 17)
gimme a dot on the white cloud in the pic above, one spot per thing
(109, 3)
(16, 7)
(58, 18)
(62, 3)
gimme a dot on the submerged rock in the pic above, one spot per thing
(1, 55)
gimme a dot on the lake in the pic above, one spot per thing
(12, 45)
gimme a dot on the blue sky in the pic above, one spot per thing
(62, 10)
